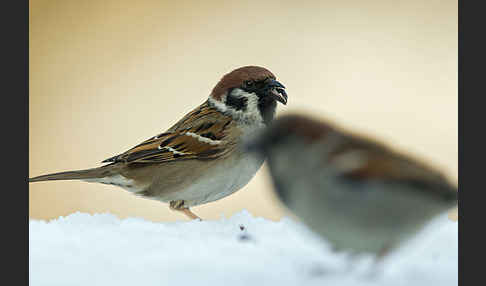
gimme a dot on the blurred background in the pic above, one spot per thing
(105, 75)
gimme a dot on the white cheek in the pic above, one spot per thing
(219, 104)
(250, 116)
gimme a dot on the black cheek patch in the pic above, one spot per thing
(238, 103)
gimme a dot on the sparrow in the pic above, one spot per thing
(200, 159)
(357, 193)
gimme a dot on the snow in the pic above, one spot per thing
(101, 249)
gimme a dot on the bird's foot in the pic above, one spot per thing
(179, 206)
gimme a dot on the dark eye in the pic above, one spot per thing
(249, 83)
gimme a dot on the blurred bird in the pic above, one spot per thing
(199, 159)
(358, 194)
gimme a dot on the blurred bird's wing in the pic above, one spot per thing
(365, 162)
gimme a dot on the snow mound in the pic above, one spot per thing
(101, 249)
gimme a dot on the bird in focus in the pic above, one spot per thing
(357, 193)
(200, 159)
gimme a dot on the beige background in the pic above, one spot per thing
(105, 75)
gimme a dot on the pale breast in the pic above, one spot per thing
(222, 180)
(226, 176)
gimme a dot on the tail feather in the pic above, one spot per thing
(75, 175)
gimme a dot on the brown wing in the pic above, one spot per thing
(366, 161)
(204, 133)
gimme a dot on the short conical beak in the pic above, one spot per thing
(276, 90)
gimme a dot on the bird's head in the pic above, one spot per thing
(249, 94)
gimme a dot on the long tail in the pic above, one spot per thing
(94, 173)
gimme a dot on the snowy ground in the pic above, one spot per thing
(83, 249)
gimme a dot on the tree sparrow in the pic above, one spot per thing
(355, 192)
(199, 159)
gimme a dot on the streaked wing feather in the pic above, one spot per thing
(204, 133)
